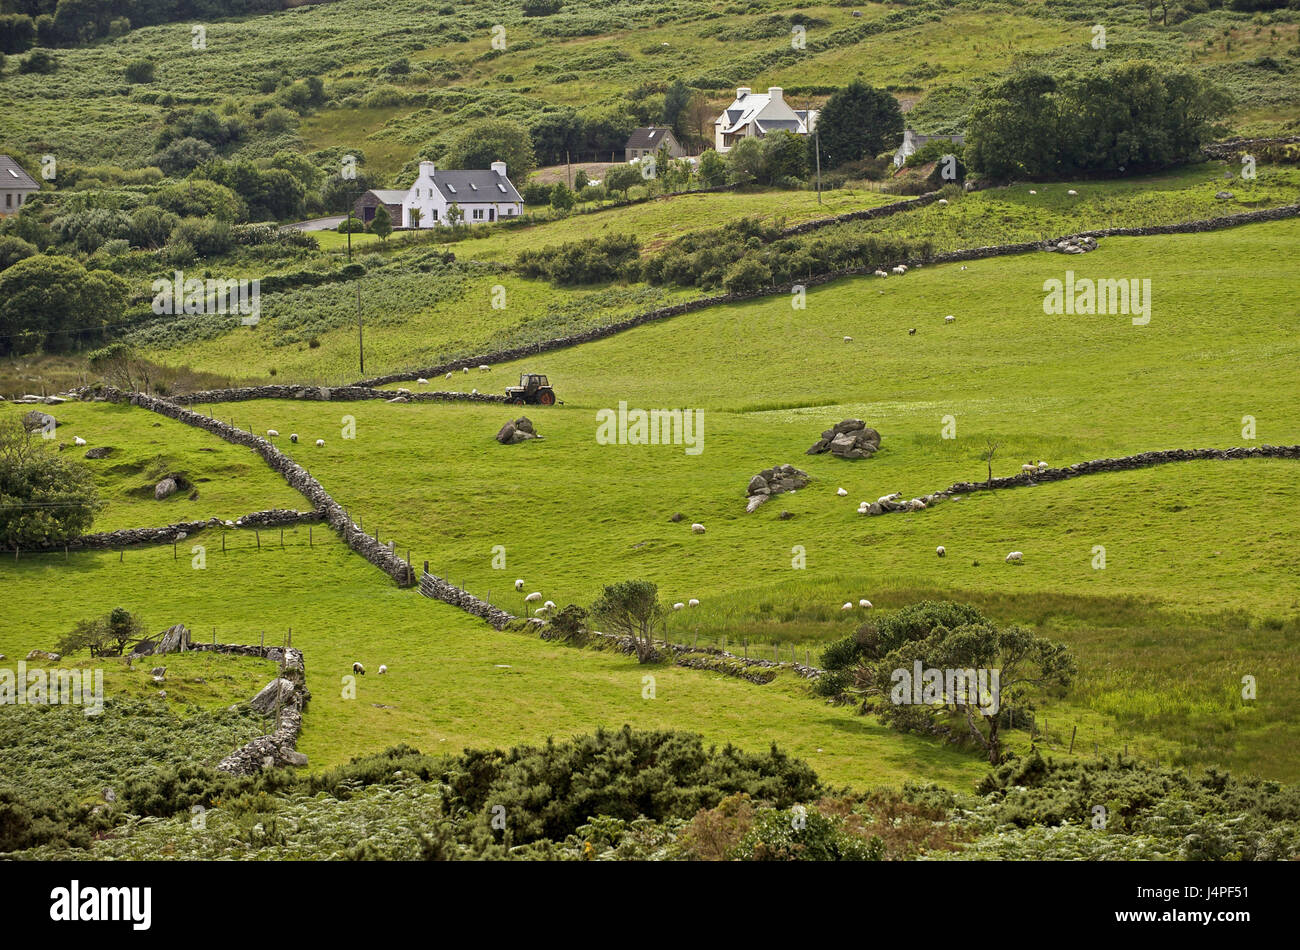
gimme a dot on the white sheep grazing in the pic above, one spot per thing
(900, 269)
(881, 273)
(963, 266)
(449, 375)
(941, 550)
(1071, 192)
(697, 528)
(949, 319)
(1032, 192)
(847, 607)
(841, 492)
(519, 584)
(484, 368)
(473, 392)
(890, 497)
(422, 381)
(1042, 465)
(1015, 556)
(382, 669)
(464, 369)
(320, 443)
(272, 434)
(549, 605)
(692, 603)
(848, 339)
(864, 604)
(358, 668)
(943, 201)
(679, 606)
(1029, 469)
(78, 441)
(540, 612)
(293, 437)
(533, 598)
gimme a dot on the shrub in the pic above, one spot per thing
(139, 71)
(44, 498)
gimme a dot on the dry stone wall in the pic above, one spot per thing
(298, 478)
(328, 394)
(125, 537)
(438, 589)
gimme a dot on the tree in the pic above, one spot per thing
(632, 609)
(382, 224)
(747, 162)
(139, 71)
(454, 214)
(677, 99)
(991, 447)
(13, 250)
(491, 140)
(561, 197)
(1014, 128)
(581, 180)
(621, 178)
(103, 636)
(857, 122)
(713, 170)
(120, 365)
(784, 156)
(52, 301)
(44, 498)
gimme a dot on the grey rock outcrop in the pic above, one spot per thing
(164, 488)
(175, 639)
(99, 452)
(1072, 245)
(275, 693)
(35, 419)
(850, 439)
(520, 430)
(773, 481)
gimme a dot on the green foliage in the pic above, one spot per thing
(632, 609)
(44, 498)
(490, 140)
(806, 835)
(562, 199)
(103, 636)
(569, 624)
(139, 71)
(351, 223)
(54, 302)
(857, 122)
(590, 261)
(13, 250)
(382, 223)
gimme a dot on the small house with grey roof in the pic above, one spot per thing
(482, 196)
(754, 115)
(15, 186)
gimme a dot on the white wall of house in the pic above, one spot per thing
(433, 205)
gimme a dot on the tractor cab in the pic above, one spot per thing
(533, 389)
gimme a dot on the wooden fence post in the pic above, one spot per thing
(257, 534)
(1072, 735)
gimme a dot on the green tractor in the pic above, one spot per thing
(533, 389)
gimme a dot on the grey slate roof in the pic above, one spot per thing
(12, 176)
(389, 196)
(651, 137)
(474, 186)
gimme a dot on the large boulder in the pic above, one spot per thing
(269, 696)
(99, 452)
(174, 639)
(850, 439)
(519, 430)
(164, 488)
(35, 419)
(773, 481)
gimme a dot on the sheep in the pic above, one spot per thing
(473, 392)
(943, 201)
(540, 612)
(422, 382)
(382, 669)
(1032, 192)
(320, 443)
(890, 497)
(78, 441)
(841, 492)
(293, 437)
(449, 375)
(272, 434)
(484, 368)
(949, 319)
(358, 669)
(697, 528)
(519, 584)
(963, 266)
(941, 550)
(864, 604)
(549, 605)
(900, 269)
(679, 606)
(912, 332)
(848, 339)
(693, 602)
(1071, 192)
(1029, 469)
(916, 504)
(533, 598)
(464, 369)
(1042, 465)
(881, 273)
(848, 606)
(1015, 556)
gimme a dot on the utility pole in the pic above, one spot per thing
(348, 221)
(361, 343)
(568, 169)
(817, 147)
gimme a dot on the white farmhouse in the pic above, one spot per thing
(481, 195)
(753, 115)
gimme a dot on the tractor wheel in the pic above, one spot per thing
(514, 401)
(546, 397)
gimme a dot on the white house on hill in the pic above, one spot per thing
(753, 115)
(482, 195)
(16, 186)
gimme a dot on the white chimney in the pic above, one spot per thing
(775, 93)
(427, 169)
(499, 168)
(742, 92)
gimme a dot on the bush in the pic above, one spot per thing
(351, 223)
(44, 499)
(103, 636)
(589, 261)
(139, 71)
